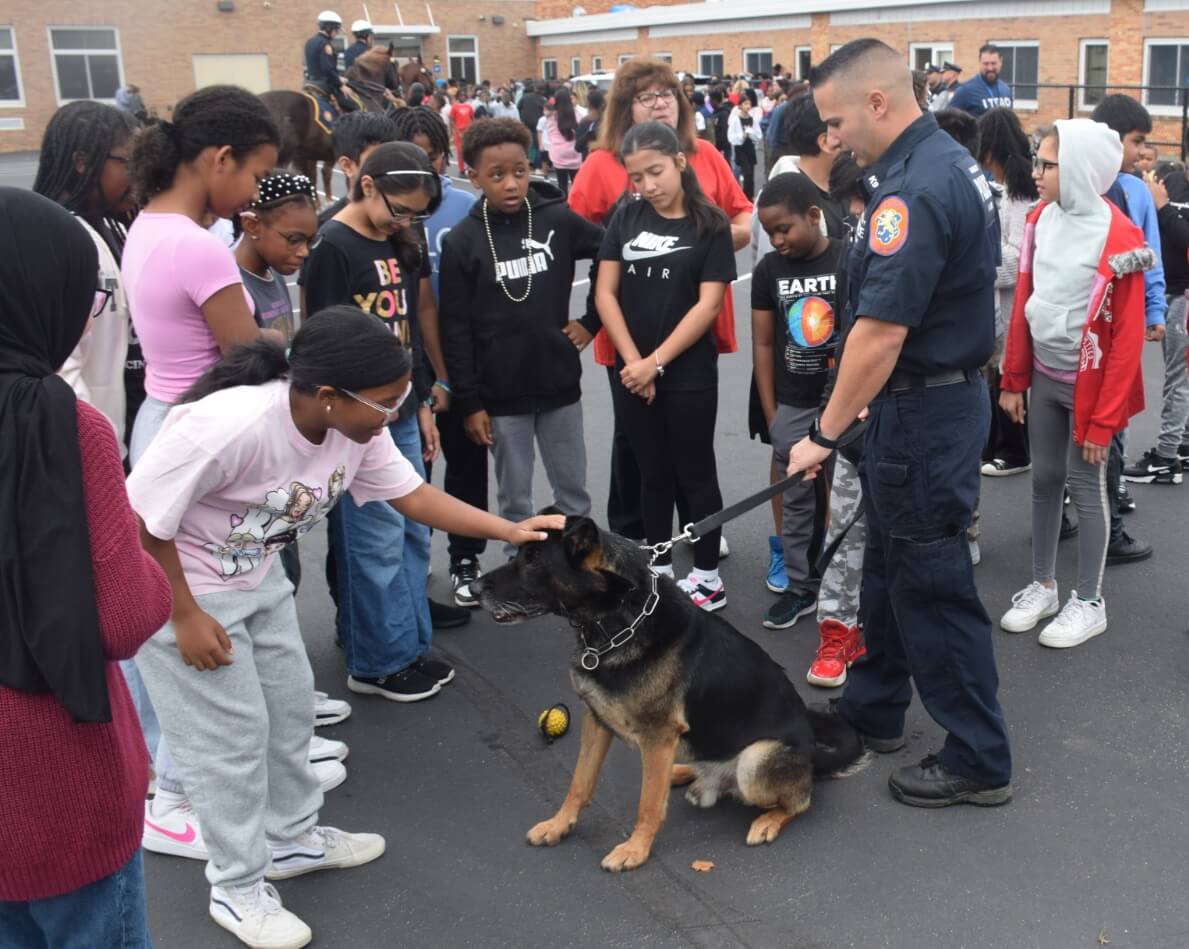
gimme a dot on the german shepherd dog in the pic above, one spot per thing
(705, 706)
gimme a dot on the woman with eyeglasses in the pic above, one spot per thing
(646, 90)
(372, 256)
(260, 449)
(277, 231)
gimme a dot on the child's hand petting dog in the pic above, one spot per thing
(534, 528)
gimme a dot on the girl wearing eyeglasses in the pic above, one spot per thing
(372, 256)
(278, 229)
(260, 449)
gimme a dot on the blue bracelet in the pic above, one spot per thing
(444, 386)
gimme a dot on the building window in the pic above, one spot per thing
(548, 68)
(1166, 70)
(463, 55)
(664, 57)
(623, 58)
(596, 63)
(86, 63)
(804, 62)
(710, 62)
(1092, 73)
(1021, 71)
(575, 65)
(921, 55)
(10, 70)
(757, 61)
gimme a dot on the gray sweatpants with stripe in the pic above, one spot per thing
(240, 734)
(1055, 458)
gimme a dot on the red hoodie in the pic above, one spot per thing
(1109, 388)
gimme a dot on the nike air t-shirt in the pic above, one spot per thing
(663, 263)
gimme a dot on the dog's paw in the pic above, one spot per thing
(627, 856)
(766, 828)
(701, 796)
(681, 774)
(549, 832)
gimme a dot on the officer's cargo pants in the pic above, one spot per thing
(922, 614)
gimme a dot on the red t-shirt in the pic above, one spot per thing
(461, 114)
(602, 179)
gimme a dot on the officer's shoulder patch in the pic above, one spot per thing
(889, 226)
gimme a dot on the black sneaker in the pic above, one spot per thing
(790, 608)
(1002, 468)
(1183, 453)
(445, 616)
(1155, 469)
(1126, 501)
(463, 572)
(929, 784)
(408, 685)
(1126, 549)
(440, 672)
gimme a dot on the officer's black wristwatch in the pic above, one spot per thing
(816, 436)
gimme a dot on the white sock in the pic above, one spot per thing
(663, 570)
(707, 578)
(166, 801)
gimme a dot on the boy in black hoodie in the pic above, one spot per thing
(506, 275)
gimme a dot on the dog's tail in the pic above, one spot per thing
(838, 750)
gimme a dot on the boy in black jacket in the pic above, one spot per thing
(506, 275)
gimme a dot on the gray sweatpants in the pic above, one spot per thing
(799, 503)
(1055, 458)
(240, 734)
(842, 582)
(1174, 417)
(558, 435)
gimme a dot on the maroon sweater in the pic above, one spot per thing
(72, 795)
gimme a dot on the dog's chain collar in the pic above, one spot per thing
(591, 657)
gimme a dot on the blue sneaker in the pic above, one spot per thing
(778, 580)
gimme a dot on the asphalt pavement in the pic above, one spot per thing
(1090, 853)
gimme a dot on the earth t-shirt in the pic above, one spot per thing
(232, 481)
(801, 294)
(663, 263)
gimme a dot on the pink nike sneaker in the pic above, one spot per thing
(173, 830)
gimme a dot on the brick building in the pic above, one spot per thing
(52, 51)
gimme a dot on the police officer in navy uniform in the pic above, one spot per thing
(321, 63)
(362, 31)
(921, 310)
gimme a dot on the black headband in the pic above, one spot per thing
(280, 186)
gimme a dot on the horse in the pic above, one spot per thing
(415, 71)
(304, 143)
(375, 67)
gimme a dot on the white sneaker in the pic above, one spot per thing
(173, 830)
(976, 555)
(330, 773)
(1078, 621)
(324, 749)
(724, 549)
(1032, 604)
(323, 848)
(255, 916)
(328, 711)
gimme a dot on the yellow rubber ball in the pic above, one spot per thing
(554, 721)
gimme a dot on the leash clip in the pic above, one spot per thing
(659, 550)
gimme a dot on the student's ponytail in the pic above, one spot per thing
(707, 217)
(211, 117)
(340, 346)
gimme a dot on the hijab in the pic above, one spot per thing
(49, 621)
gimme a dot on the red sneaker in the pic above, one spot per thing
(838, 647)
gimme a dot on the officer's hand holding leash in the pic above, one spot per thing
(811, 452)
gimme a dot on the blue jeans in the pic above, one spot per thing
(923, 620)
(109, 912)
(382, 560)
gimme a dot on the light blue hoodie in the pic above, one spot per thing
(456, 204)
(1142, 211)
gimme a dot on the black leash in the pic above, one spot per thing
(695, 532)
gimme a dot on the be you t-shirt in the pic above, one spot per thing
(663, 263)
(232, 481)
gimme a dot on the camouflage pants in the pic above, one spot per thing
(838, 598)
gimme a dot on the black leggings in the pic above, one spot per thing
(565, 177)
(673, 440)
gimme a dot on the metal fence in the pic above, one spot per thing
(1169, 106)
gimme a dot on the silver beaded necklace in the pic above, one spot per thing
(496, 261)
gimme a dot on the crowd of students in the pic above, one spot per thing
(436, 322)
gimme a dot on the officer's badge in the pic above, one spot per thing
(889, 227)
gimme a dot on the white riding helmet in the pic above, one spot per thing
(361, 26)
(329, 17)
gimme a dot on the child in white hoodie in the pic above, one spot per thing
(1078, 316)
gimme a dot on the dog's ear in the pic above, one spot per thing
(584, 546)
